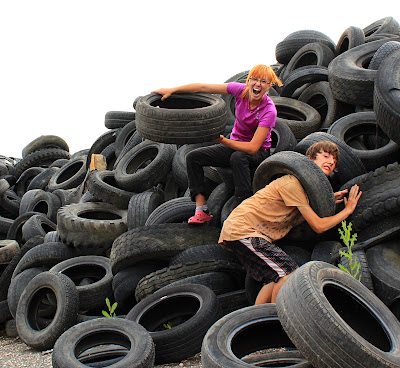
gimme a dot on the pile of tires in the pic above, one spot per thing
(72, 237)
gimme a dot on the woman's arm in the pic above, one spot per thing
(220, 89)
(250, 147)
(321, 224)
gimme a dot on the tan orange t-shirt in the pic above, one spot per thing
(270, 213)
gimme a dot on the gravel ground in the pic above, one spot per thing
(16, 354)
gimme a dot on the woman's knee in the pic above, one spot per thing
(239, 159)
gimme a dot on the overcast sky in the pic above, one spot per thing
(64, 64)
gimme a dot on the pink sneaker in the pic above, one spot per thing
(199, 217)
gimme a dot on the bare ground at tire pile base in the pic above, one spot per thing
(14, 353)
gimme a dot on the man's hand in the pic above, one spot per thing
(354, 195)
(339, 195)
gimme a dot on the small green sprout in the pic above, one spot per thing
(167, 325)
(349, 241)
(111, 309)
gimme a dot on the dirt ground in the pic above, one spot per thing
(16, 354)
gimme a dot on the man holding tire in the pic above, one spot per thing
(271, 213)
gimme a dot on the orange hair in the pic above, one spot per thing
(261, 71)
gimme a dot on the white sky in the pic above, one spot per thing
(64, 64)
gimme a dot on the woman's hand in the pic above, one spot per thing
(164, 92)
(339, 195)
(219, 139)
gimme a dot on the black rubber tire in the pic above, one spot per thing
(8, 249)
(18, 285)
(140, 206)
(285, 49)
(102, 184)
(189, 309)
(319, 96)
(349, 77)
(137, 345)
(241, 333)
(383, 262)
(361, 125)
(6, 275)
(301, 118)
(173, 211)
(311, 177)
(100, 143)
(41, 335)
(219, 282)
(124, 136)
(133, 141)
(97, 269)
(335, 321)
(182, 118)
(326, 251)
(125, 281)
(118, 119)
(5, 314)
(21, 186)
(382, 53)
(159, 242)
(37, 225)
(386, 101)
(41, 158)
(364, 273)
(10, 328)
(5, 224)
(313, 53)
(15, 230)
(41, 180)
(10, 203)
(44, 255)
(282, 137)
(206, 252)
(216, 201)
(378, 208)
(70, 175)
(349, 165)
(351, 37)
(165, 276)
(387, 25)
(91, 227)
(61, 161)
(38, 200)
(301, 77)
(44, 141)
(109, 155)
(146, 165)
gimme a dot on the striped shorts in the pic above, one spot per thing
(264, 261)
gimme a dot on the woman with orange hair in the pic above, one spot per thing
(250, 140)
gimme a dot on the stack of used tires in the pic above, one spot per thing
(72, 237)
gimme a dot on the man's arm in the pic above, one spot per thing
(322, 224)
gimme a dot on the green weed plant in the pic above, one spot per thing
(111, 309)
(349, 240)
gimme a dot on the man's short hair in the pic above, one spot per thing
(326, 146)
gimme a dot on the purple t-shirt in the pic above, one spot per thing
(247, 121)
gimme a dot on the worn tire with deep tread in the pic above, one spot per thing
(182, 118)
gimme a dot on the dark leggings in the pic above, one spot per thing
(222, 156)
